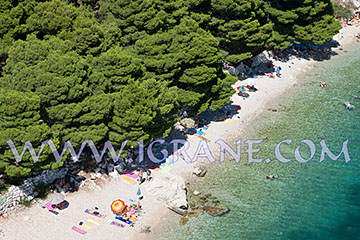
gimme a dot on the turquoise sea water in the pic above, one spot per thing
(309, 201)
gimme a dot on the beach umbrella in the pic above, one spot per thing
(187, 122)
(138, 192)
(242, 88)
(117, 206)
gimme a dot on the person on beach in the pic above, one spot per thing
(278, 71)
(141, 178)
(148, 175)
(322, 84)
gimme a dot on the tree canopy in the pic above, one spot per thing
(123, 70)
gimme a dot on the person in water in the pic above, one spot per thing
(348, 105)
(322, 84)
(272, 176)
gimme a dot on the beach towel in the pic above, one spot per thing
(117, 224)
(86, 226)
(76, 229)
(130, 180)
(229, 120)
(64, 204)
(123, 220)
(54, 212)
(48, 206)
(93, 222)
(131, 175)
(95, 213)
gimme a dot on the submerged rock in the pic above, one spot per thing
(216, 211)
(192, 214)
(203, 199)
(217, 184)
(183, 221)
(208, 195)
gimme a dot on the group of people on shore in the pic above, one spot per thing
(130, 212)
(147, 177)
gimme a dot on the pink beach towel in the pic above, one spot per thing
(76, 229)
(48, 206)
(132, 175)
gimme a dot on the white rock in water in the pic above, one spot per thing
(196, 193)
(197, 171)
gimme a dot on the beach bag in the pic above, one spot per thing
(64, 204)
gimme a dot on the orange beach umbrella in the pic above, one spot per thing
(117, 206)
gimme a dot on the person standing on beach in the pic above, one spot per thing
(278, 71)
(141, 178)
(148, 175)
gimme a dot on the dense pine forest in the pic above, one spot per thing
(120, 69)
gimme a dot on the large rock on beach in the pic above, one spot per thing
(171, 189)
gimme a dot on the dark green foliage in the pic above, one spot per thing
(342, 12)
(20, 121)
(120, 69)
(301, 21)
(137, 18)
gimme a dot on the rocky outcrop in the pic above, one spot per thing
(17, 194)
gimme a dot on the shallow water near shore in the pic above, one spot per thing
(309, 201)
